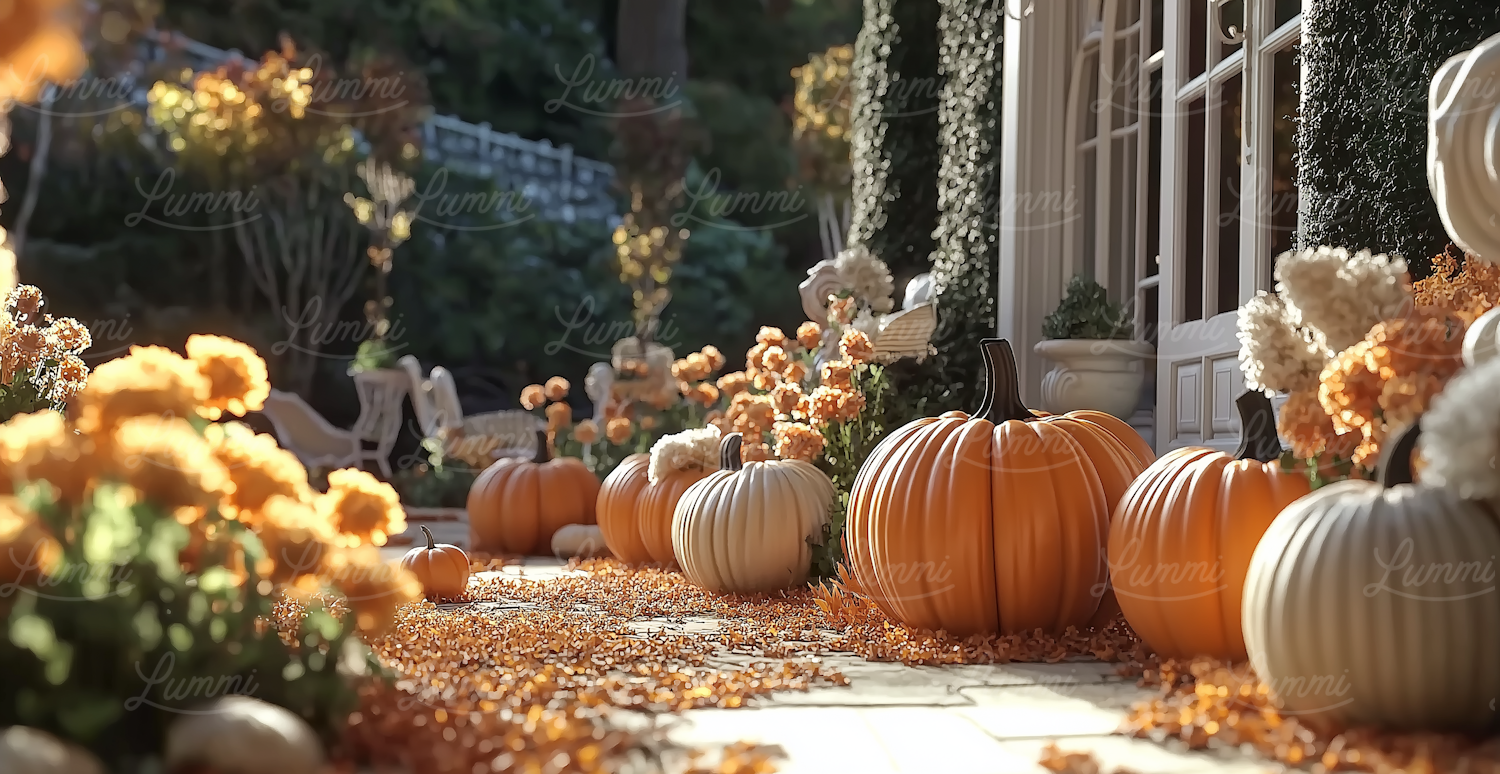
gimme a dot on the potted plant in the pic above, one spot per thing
(1099, 363)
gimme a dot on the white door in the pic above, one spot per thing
(1229, 202)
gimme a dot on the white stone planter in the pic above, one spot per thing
(1097, 374)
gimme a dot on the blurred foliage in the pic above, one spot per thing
(119, 640)
(1086, 312)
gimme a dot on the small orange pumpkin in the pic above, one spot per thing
(1181, 539)
(618, 497)
(516, 505)
(995, 522)
(443, 569)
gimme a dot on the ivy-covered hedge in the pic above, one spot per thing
(1363, 139)
(894, 145)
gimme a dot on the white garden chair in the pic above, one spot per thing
(477, 439)
(304, 432)
(381, 393)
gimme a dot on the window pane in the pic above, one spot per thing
(1158, 22)
(1231, 143)
(1286, 80)
(1127, 89)
(1153, 179)
(1088, 99)
(1197, 37)
(1130, 11)
(1122, 219)
(1286, 9)
(1147, 320)
(1192, 216)
(1087, 163)
(1233, 15)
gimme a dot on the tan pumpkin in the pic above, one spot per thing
(995, 522)
(243, 735)
(1181, 539)
(443, 569)
(618, 497)
(1375, 604)
(516, 505)
(745, 527)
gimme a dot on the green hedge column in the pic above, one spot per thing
(1363, 141)
(895, 133)
(967, 251)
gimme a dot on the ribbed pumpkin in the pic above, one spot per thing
(1181, 539)
(658, 506)
(1376, 604)
(618, 497)
(744, 528)
(515, 505)
(995, 522)
(443, 569)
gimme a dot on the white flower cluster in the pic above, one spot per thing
(1339, 297)
(688, 450)
(1460, 439)
(1276, 355)
(869, 278)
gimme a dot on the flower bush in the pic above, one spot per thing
(40, 367)
(147, 551)
(1358, 349)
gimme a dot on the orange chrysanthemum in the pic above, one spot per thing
(296, 539)
(810, 334)
(374, 590)
(169, 463)
(841, 310)
(557, 388)
(618, 430)
(27, 550)
(559, 415)
(705, 394)
(41, 447)
(1466, 291)
(38, 45)
(785, 398)
(715, 358)
(733, 384)
(796, 441)
(363, 509)
(236, 375)
(856, 347)
(771, 337)
(533, 397)
(586, 432)
(755, 451)
(795, 371)
(774, 359)
(838, 374)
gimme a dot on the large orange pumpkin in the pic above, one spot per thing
(1181, 539)
(618, 497)
(515, 505)
(995, 522)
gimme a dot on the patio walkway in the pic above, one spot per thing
(991, 719)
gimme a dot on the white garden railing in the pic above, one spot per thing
(555, 183)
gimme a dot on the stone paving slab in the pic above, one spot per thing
(898, 719)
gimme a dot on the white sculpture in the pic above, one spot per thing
(596, 385)
(919, 291)
(822, 281)
(1463, 166)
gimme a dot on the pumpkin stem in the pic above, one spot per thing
(729, 452)
(1002, 392)
(1395, 458)
(1258, 438)
(543, 453)
(425, 531)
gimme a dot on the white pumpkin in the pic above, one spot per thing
(1376, 604)
(745, 527)
(29, 751)
(582, 540)
(245, 736)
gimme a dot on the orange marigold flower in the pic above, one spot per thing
(559, 415)
(236, 375)
(810, 335)
(856, 347)
(796, 441)
(841, 310)
(375, 590)
(533, 397)
(838, 374)
(27, 550)
(765, 381)
(785, 398)
(259, 468)
(149, 381)
(586, 432)
(618, 430)
(771, 337)
(363, 509)
(795, 371)
(733, 384)
(715, 358)
(72, 377)
(557, 388)
(1466, 291)
(25, 304)
(41, 447)
(169, 463)
(825, 405)
(754, 355)
(705, 394)
(850, 404)
(1305, 425)
(71, 335)
(296, 539)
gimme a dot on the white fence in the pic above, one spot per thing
(556, 184)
